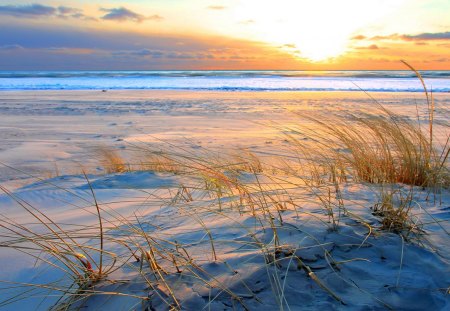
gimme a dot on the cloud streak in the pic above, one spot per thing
(247, 22)
(9, 47)
(431, 36)
(427, 36)
(39, 11)
(216, 7)
(31, 10)
(370, 47)
(123, 14)
(160, 54)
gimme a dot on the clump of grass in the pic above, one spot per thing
(244, 160)
(379, 147)
(48, 242)
(111, 160)
(394, 209)
(382, 147)
(160, 162)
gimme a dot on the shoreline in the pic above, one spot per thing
(169, 92)
(224, 90)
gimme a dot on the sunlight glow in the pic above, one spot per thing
(316, 30)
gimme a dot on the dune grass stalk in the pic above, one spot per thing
(100, 223)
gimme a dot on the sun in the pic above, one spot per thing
(315, 30)
(316, 47)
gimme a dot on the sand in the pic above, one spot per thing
(48, 137)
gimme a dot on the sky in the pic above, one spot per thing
(224, 34)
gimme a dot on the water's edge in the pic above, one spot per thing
(374, 81)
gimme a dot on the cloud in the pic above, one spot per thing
(83, 17)
(370, 47)
(159, 54)
(68, 10)
(123, 14)
(216, 7)
(359, 37)
(30, 10)
(442, 60)
(38, 10)
(247, 22)
(141, 52)
(9, 47)
(427, 36)
(290, 46)
(430, 36)
(394, 36)
(65, 50)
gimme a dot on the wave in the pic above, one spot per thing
(223, 74)
(381, 81)
(227, 89)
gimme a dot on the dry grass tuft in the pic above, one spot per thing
(111, 160)
(378, 147)
(394, 209)
(160, 162)
(384, 149)
(242, 161)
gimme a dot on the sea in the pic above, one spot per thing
(372, 81)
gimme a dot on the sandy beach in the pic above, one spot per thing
(207, 235)
(41, 129)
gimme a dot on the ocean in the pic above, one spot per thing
(373, 81)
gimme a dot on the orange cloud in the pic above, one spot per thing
(216, 7)
(370, 47)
